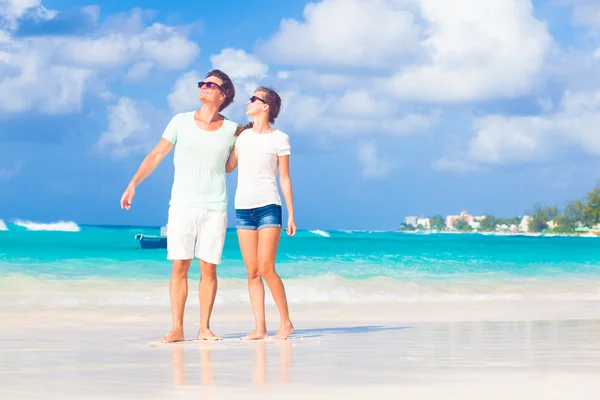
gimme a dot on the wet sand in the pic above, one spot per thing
(492, 350)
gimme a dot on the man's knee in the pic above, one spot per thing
(208, 271)
(180, 268)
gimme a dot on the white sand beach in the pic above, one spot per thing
(491, 350)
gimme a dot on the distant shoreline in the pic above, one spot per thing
(525, 234)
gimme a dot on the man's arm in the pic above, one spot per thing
(232, 160)
(152, 160)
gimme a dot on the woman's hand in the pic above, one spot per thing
(291, 227)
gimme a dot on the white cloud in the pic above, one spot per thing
(51, 74)
(585, 13)
(139, 71)
(338, 116)
(436, 51)
(374, 166)
(245, 70)
(346, 32)
(361, 103)
(162, 46)
(323, 81)
(477, 50)
(132, 128)
(12, 10)
(184, 95)
(239, 65)
(29, 83)
(515, 140)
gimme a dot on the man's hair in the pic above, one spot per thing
(227, 87)
(273, 100)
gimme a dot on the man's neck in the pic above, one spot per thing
(208, 113)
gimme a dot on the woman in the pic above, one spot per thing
(261, 152)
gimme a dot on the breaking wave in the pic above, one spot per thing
(63, 226)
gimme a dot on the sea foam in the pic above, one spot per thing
(24, 289)
(64, 226)
(320, 233)
(3, 226)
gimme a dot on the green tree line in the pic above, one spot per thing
(575, 213)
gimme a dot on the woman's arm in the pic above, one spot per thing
(286, 189)
(232, 160)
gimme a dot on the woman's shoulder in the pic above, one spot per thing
(281, 134)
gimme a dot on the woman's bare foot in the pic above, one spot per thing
(206, 334)
(257, 334)
(176, 335)
(284, 331)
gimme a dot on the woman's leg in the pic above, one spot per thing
(268, 241)
(248, 245)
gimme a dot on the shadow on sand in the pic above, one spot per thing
(319, 332)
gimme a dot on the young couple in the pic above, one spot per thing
(207, 146)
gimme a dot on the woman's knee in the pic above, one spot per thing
(266, 268)
(253, 272)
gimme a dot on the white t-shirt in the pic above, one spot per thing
(200, 158)
(258, 167)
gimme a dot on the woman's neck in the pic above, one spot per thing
(261, 126)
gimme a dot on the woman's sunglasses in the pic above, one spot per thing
(254, 98)
(209, 85)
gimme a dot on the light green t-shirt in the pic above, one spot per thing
(200, 158)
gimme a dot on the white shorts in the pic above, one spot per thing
(196, 231)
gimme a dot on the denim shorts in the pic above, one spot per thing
(257, 218)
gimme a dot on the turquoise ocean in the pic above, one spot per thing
(66, 263)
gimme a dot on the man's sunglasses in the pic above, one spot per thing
(254, 98)
(209, 85)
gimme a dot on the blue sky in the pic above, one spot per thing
(394, 108)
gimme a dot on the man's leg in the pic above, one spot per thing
(178, 292)
(207, 294)
(209, 249)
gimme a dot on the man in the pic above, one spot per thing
(197, 220)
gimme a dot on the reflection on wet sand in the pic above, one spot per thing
(260, 364)
(207, 377)
(208, 367)
(178, 365)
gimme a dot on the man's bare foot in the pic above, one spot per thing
(284, 331)
(206, 334)
(256, 335)
(175, 335)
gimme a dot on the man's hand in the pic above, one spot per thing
(127, 197)
(291, 228)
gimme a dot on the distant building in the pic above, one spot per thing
(451, 220)
(524, 225)
(412, 221)
(424, 222)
